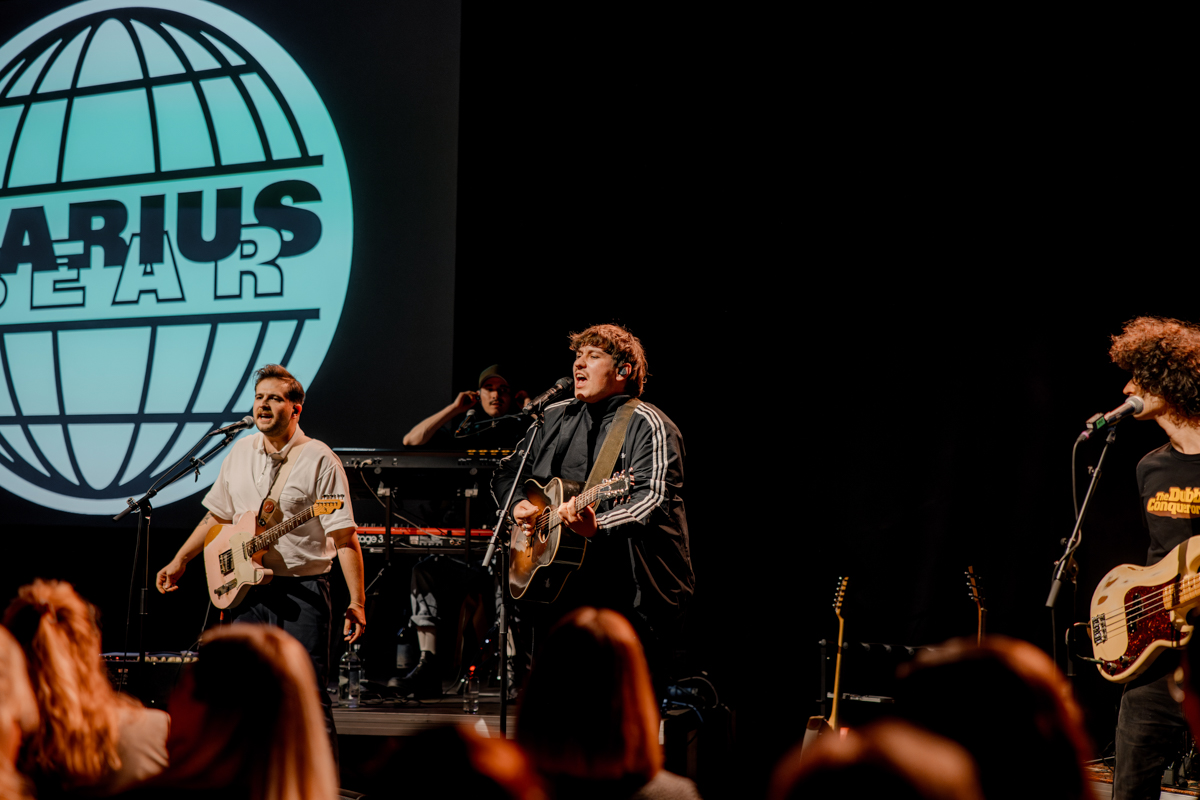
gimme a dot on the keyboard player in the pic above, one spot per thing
(440, 582)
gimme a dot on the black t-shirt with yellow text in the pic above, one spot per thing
(1170, 487)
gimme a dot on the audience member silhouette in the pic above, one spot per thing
(458, 762)
(92, 740)
(18, 716)
(589, 721)
(890, 758)
(247, 723)
(1008, 704)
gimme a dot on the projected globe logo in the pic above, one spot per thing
(175, 212)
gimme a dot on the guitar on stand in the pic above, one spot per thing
(819, 726)
(975, 592)
(233, 554)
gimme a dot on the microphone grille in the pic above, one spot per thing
(1136, 404)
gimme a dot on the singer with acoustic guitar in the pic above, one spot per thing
(631, 545)
(277, 474)
(1164, 357)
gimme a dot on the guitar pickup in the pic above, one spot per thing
(1099, 629)
(226, 562)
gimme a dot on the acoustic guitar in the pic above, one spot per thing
(541, 560)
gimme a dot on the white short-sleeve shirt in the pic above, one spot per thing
(245, 479)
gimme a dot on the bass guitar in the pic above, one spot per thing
(540, 561)
(233, 554)
(1137, 612)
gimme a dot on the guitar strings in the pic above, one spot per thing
(1148, 605)
(252, 546)
(1145, 606)
(544, 519)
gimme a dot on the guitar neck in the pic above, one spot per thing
(270, 536)
(581, 501)
(1186, 591)
(837, 676)
(585, 499)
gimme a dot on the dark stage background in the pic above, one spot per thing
(876, 286)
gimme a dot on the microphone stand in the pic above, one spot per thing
(144, 511)
(1066, 567)
(502, 631)
(1066, 563)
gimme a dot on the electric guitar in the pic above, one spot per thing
(975, 592)
(819, 726)
(1137, 612)
(550, 547)
(233, 554)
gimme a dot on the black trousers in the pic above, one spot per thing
(302, 607)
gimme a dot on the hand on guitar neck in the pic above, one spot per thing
(582, 521)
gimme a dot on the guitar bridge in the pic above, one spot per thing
(1099, 629)
(226, 562)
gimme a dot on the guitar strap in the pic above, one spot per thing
(269, 512)
(613, 442)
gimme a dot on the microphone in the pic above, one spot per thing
(1096, 422)
(535, 405)
(246, 422)
(466, 423)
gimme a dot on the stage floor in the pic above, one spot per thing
(410, 717)
(1101, 779)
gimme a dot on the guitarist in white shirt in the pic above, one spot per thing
(298, 597)
(1164, 357)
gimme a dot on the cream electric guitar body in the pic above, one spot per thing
(1137, 612)
(233, 554)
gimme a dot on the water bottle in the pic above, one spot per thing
(471, 692)
(350, 677)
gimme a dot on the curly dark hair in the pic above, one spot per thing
(623, 346)
(1164, 357)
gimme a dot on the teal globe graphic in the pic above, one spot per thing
(174, 213)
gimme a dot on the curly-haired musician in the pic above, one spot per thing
(1164, 357)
